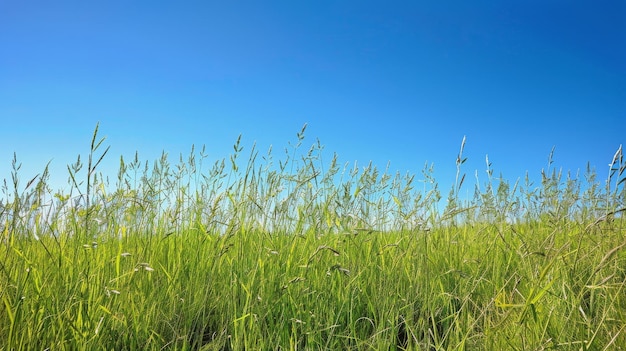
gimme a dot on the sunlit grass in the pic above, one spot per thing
(305, 253)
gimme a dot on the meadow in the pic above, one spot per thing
(300, 252)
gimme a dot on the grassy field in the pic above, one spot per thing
(304, 253)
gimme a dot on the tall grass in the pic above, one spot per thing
(302, 252)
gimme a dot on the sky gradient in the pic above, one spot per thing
(399, 82)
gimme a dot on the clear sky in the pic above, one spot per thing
(382, 81)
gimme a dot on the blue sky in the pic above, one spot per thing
(381, 81)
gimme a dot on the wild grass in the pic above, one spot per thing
(303, 253)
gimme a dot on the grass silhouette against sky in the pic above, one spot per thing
(400, 82)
